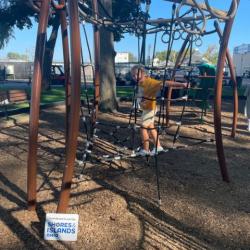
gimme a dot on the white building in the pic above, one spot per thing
(241, 59)
(122, 57)
(16, 68)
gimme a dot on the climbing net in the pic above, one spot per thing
(189, 26)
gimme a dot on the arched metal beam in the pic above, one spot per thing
(233, 78)
(35, 104)
(75, 106)
(65, 45)
(202, 6)
(217, 100)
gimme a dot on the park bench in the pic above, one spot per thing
(14, 96)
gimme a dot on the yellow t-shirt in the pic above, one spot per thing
(150, 87)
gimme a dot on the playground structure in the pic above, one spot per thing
(194, 25)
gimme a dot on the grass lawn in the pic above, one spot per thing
(57, 94)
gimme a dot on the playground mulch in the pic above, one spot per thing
(117, 201)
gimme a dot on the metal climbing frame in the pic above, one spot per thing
(204, 12)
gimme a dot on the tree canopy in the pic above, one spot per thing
(11, 16)
(211, 54)
(14, 55)
(122, 11)
(131, 57)
(161, 55)
(13, 13)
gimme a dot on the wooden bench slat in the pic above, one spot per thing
(17, 96)
(14, 96)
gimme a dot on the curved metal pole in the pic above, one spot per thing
(35, 104)
(202, 6)
(75, 106)
(217, 100)
(65, 45)
(233, 78)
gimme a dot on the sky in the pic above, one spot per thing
(24, 40)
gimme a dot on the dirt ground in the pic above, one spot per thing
(117, 201)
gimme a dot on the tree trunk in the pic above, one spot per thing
(108, 101)
(49, 53)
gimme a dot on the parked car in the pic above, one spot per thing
(124, 79)
(57, 75)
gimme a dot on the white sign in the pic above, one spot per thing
(61, 227)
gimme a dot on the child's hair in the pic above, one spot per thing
(138, 67)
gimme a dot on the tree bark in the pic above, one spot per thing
(108, 101)
(49, 53)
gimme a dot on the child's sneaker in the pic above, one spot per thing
(159, 149)
(142, 152)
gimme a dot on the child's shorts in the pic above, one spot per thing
(148, 117)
